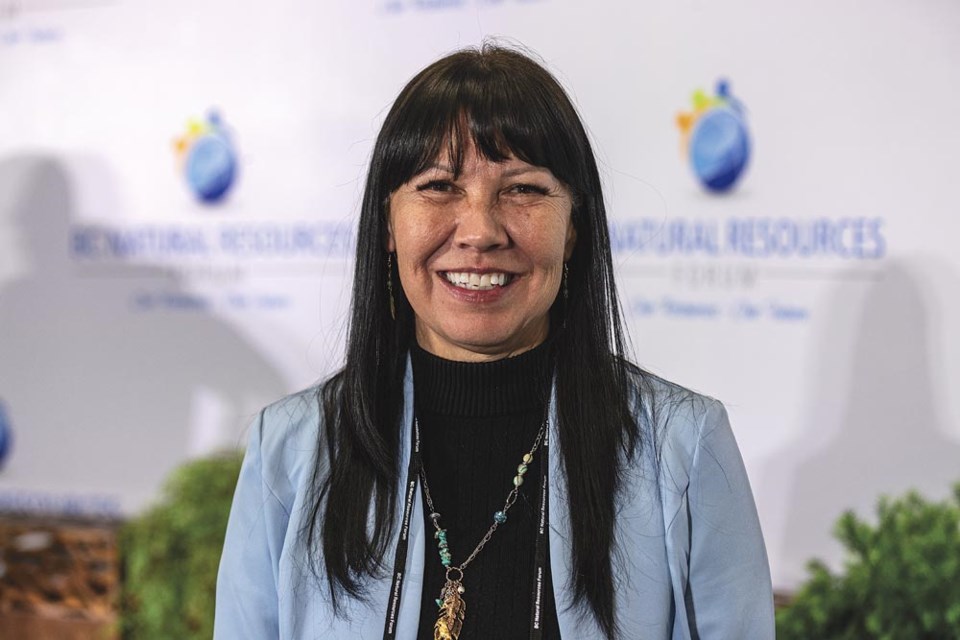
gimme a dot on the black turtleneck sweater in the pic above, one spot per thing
(476, 422)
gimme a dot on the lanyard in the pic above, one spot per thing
(400, 557)
(540, 562)
(402, 550)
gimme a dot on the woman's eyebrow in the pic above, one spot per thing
(508, 173)
(516, 171)
(439, 167)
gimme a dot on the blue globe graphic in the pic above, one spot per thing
(6, 436)
(719, 148)
(211, 167)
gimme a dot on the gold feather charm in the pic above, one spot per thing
(452, 610)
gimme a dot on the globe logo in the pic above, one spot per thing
(207, 157)
(6, 435)
(715, 138)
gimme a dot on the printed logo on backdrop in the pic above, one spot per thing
(715, 138)
(6, 435)
(728, 261)
(207, 158)
(213, 254)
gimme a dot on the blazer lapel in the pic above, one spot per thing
(572, 624)
(408, 616)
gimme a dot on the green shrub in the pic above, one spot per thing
(901, 579)
(171, 553)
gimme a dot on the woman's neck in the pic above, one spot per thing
(498, 387)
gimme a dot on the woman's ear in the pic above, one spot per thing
(570, 242)
(388, 242)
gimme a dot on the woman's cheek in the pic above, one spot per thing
(426, 240)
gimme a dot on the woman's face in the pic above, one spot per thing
(481, 256)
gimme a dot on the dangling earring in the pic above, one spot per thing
(566, 277)
(393, 307)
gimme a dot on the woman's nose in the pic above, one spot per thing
(479, 227)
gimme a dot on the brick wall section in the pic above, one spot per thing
(57, 575)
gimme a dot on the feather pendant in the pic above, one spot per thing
(452, 611)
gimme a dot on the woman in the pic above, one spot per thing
(488, 464)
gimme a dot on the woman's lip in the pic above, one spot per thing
(480, 271)
(477, 295)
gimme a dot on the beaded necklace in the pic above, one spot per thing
(451, 603)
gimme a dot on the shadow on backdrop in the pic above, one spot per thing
(874, 428)
(100, 396)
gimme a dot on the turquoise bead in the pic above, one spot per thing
(439, 602)
(522, 469)
(499, 517)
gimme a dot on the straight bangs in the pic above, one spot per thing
(501, 108)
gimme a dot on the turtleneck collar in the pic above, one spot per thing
(478, 389)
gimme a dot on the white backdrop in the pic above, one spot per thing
(140, 326)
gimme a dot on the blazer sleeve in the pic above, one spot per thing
(729, 592)
(247, 594)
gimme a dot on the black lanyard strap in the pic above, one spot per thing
(540, 555)
(400, 557)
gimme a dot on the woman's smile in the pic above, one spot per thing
(475, 281)
(475, 287)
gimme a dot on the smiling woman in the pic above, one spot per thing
(487, 440)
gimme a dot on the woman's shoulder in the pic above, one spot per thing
(673, 417)
(290, 419)
(286, 435)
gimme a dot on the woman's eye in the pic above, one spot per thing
(441, 186)
(528, 189)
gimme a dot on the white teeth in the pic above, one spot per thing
(476, 281)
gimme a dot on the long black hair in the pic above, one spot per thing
(504, 103)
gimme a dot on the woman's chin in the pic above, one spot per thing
(482, 344)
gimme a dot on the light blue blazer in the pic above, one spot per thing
(689, 563)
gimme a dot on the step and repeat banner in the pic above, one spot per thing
(180, 181)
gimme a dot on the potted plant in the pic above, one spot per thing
(901, 579)
(171, 553)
